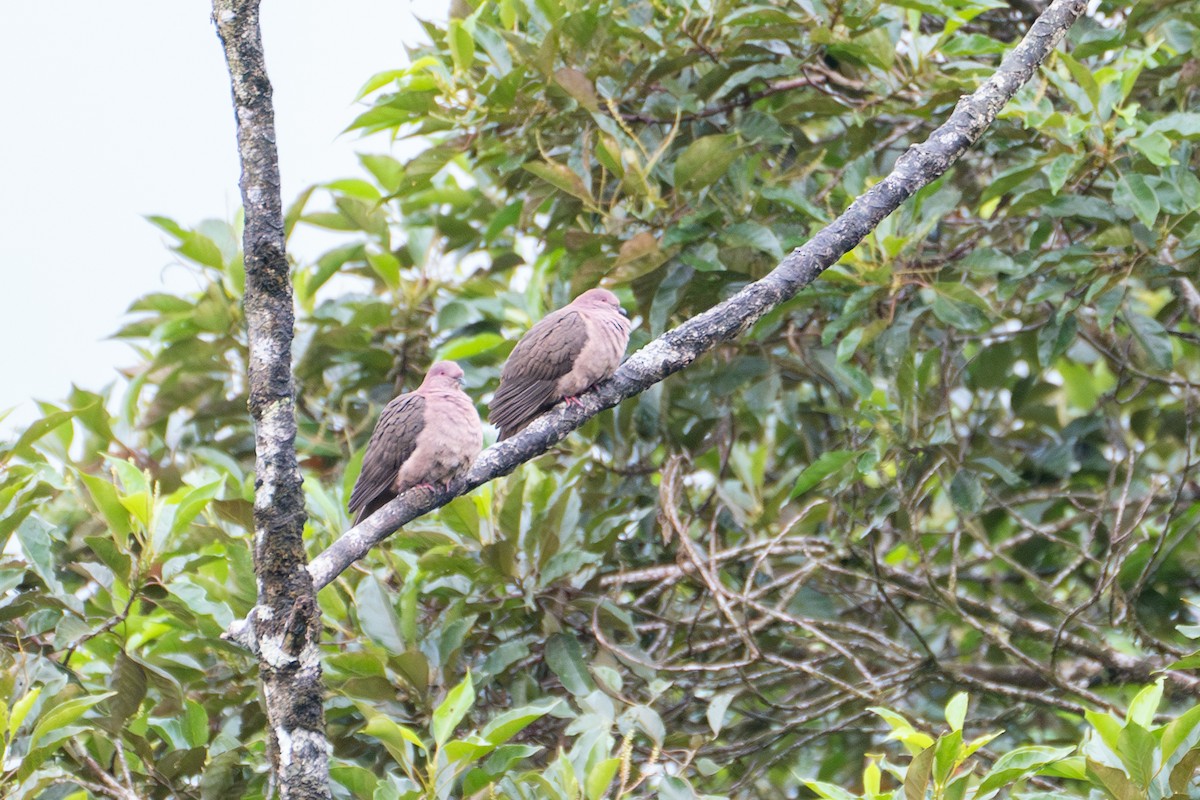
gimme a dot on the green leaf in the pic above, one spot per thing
(561, 177)
(1054, 339)
(579, 86)
(410, 598)
(34, 535)
(966, 491)
(871, 46)
(1187, 662)
(1136, 748)
(972, 746)
(470, 347)
(1083, 77)
(704, 161)
(396, 739)
(202, 250)
(929, 7)
(105, 496)
(63, 714)
(506, 755)
(133, 480)
(452, 710)
(1082, 388)
(903, 730)
(916, 777)
(383, 728)
(1155, 147)
(945, 756)
(193, 503)
(1072, 767)
(565, 657)
(1016, 764)
(826, 464)
(376, 614)
(716, 710)
(1133, 192)
(1059, 170)
(510, 723)
(1106, 725)
(40, 428)
(360, 781)
(461, 752)
(1113, 781)
(221, 774)
(956, 711)
(600, 777)
(829, 791)
(754, 235)
(1001, 471)
(20, 710)
(1142, 709)
(1179, 730)
(1185, 124)
(128, 682)
(381, 79)
(387, 267)
(1183, 773)
(960, 307)
(386, 169)
(195, 724)
(462, 45)
(1153, 340)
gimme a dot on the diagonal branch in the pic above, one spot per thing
(679, 347)
(286, 623)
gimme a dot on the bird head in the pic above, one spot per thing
(601, 299)
(444, 373)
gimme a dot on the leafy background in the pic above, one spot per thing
(959, 464)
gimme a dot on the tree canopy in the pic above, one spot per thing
(961, 464)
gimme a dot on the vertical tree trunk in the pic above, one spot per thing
(285, 629)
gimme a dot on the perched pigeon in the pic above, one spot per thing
(561, 356)
(423, 437)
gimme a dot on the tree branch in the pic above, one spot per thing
(285, 626)
(679, 347)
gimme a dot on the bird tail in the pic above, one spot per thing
(370, 508)
(509, 431)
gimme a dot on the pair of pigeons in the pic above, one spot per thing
(432, 434)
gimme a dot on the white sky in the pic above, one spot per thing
(114, 112)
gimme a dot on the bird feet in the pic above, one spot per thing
(573, 400)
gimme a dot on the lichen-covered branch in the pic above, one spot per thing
(679, 347)
(285, 627)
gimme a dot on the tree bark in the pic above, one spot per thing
(679, 347)
(284, 629)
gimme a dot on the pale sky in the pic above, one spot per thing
(115, 112)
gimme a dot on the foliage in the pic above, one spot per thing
(1118, 758)
(962, 460)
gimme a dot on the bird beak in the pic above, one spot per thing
(624, 313)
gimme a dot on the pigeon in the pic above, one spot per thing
(570, 350)
(426, 436)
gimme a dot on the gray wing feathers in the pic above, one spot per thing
(529, 380)
(392, 443)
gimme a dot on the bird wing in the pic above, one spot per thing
(392, 443)
(529, 380)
